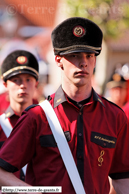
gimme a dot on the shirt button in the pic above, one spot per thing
(80, 113)
(80, 134)
(80, 156)
(79, 105)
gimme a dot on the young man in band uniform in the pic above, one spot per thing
(96, 130)
(20, 76)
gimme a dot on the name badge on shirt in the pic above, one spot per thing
(103, 140)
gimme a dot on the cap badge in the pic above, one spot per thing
(22, 59)
(78, 31)
(116, 77)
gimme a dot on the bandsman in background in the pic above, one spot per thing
(20, 77)
(117, 89)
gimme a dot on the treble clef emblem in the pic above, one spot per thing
(100, 159)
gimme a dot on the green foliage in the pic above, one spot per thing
(113, 18)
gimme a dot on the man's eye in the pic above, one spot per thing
(15, 80)
(74, 55)
(91, 55)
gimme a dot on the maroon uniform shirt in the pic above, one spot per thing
(13, 118)
(97, 133)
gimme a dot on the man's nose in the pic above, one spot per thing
(83, 62)
(22, 84)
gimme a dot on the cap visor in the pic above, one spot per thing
(79, 51)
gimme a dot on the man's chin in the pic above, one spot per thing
(22, 101)
(80, 84)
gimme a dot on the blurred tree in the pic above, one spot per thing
(111, 15)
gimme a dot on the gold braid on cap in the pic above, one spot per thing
(78, 46)
(19, 68)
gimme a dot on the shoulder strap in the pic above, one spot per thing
(63, 147)
(5, 124)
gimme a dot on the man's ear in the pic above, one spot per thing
(5, 83)
(58, 60)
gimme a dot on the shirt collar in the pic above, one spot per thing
(96, 97)
(9, 112)
(60, 97)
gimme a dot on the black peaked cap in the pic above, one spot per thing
(77, 34)
(17, 62)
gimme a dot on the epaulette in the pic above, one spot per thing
(112, 103)
(31, 106)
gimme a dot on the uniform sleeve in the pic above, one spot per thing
(120, 163)
(2, 136)
(19, 148)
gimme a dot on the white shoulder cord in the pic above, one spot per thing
(7, 128)
(5, 124)
(63, 147)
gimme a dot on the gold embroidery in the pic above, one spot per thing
(19, 68)
(100, 159)
(103, 139)
(100, 100)
(8, 114)
(58, 100)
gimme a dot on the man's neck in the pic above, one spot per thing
(77, 93)
(19, 108)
